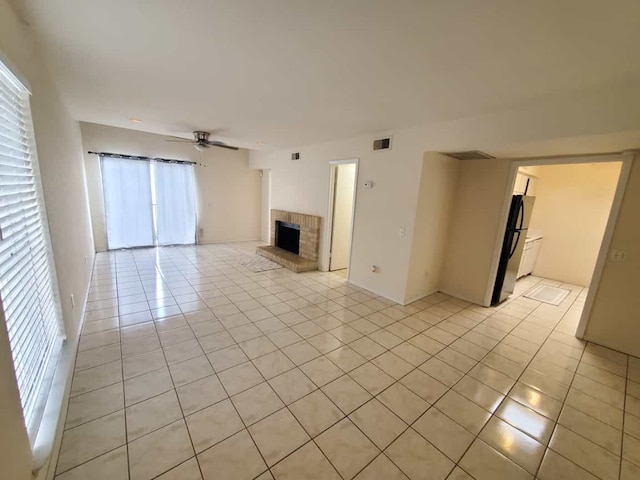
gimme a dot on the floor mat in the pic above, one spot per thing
(257, 264)
(548, 294)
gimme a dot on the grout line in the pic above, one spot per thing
(326, 288)
(624, 417)
(124, 397)
(230, 401)
(386, 350)
(175, 390)
(504, 396)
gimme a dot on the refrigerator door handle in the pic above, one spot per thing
(515, 244)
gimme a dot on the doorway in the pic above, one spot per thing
(574, 203)
(341, 210)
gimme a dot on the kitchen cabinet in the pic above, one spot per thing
(529, 256)
(521, 184)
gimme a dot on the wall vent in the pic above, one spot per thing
(469, 155)
(382, 144)
(295, 156)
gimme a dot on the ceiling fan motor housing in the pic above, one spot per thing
(201, 136)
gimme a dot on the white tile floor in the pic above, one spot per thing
(192, 367)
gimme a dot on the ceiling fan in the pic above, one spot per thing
(201, 141)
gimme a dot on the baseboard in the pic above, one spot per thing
(415, 298)
(609, 345)
(377, 293)
(460, 296)
(47, 457)
(218, 242)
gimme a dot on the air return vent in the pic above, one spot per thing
(382, 144)
(295, 156)
(469, 155)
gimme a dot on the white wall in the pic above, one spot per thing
(432, 224)
(62, 172)
(228, 192)
(266, 206)
(526, 180)
(572, 207)
(614, 320)
(580, 124)
(303, 186)
(475, 224)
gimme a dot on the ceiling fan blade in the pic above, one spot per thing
(182, 140)
(222, 145)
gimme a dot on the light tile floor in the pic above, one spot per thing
(192, 367)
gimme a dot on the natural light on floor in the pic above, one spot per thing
(236, 374)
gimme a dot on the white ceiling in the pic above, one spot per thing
(297, 72)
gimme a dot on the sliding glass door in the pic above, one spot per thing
(133, 188)
(175, 203)
(127, 203)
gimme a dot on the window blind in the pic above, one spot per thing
(28, 287)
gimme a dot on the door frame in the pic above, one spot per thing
(627, 159)
(333, 166)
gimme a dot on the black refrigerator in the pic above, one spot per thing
(512, 247)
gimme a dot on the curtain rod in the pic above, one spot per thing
(136, 157)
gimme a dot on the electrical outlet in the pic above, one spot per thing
(402, 232)
(374, 268)
(73, 301)
(86, 260)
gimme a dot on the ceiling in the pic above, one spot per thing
(298, 72)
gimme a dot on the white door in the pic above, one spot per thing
(344, 189)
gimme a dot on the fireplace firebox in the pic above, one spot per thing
(288, 236)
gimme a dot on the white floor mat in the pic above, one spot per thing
(548, 294)
(257, 264)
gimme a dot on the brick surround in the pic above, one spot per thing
(309, 239)
(309, 231)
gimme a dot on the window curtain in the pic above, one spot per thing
(175, 203)
(127, 203)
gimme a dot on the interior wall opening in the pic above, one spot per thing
(556, 228)
(342, 203)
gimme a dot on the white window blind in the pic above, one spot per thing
(28, 287)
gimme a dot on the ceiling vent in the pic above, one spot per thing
(382, 144)
(295, 156)
(469, 155)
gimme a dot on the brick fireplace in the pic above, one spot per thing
(286, 229)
